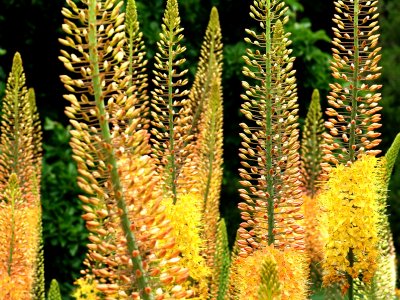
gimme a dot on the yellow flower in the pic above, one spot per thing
(351, 206)
(186, 221)
(86, 289)
(291, 269)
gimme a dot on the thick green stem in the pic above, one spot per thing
(354, 106)
(350, 279)
(142, 280)
(268, 125)
(355, 84)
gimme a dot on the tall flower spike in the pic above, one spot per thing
(269, 153)
(17, 154)
(209, 165)
(311, 142)
(20, 170)
(129, 234)
(354, 101)
(311, 154)
(208, 70)
(136, 56)
(171, 115)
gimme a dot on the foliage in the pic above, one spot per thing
(63, 229)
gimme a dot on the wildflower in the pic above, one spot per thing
(186, 221)
(291, 274)
(351, 207)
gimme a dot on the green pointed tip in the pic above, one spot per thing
(131, 13)
(269, 288)
(278, 32)
(54, 291)
(17, 58)
(214, 17)
(391, 155)
(31, 92)
(315, 95)
(17, 63)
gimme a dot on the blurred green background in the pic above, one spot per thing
(33, 27)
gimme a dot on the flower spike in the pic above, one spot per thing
(269, 153)
(354, 99)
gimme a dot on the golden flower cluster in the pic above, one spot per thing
(351, 205)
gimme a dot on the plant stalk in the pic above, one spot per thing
(142, 280)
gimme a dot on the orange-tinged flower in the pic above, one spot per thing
(351, 207)
(291, 269)
(313, 234)
(19, 239)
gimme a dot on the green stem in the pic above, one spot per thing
(17, 99)
(354, 105)
(142, 280)
(350, 279)
(355, 81)
(315, 153)
(211, 147)
(268, 126)
(172, 159)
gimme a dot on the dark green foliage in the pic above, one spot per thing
(312, 63)
(64, 233)
(2, 76)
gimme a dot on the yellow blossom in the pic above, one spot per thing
(86, 289)
(351, 206)
(186, 221)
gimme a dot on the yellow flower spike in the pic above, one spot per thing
(186, 220)
(351, 207)
(288, 279)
